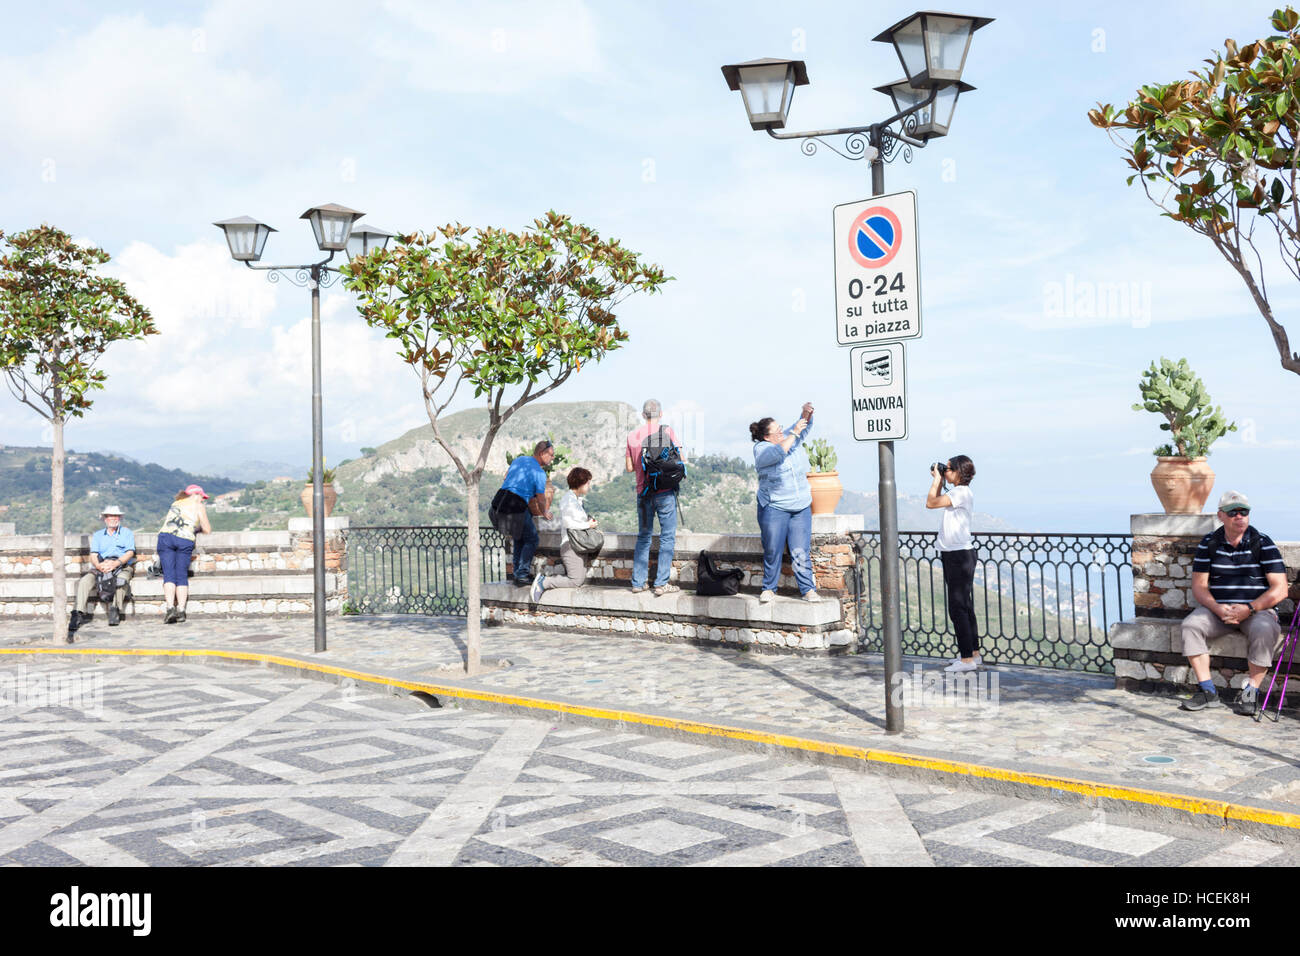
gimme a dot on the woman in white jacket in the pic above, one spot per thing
(573, 516)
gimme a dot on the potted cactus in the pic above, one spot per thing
(824, 480)
(328, 493)
(1182, 478)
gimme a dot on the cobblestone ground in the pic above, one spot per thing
(202, 764)
(1074, 724)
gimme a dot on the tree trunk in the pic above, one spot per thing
(59, 604)
(473, 578)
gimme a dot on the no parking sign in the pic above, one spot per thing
(877, 270)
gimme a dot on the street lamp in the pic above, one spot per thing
(366, 238)
(932, 120)
(767, 87)
(332, 225)
(932, 48)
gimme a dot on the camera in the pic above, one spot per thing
(939, 467)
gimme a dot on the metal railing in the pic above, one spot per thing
(1040, 599)
(416, 570)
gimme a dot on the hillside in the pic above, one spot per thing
(912, 513)
(411, 481)
(91, 482)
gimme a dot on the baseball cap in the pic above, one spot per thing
(195, 490)
(111, 510)
(1233, 501)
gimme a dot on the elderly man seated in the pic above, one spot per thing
(1237, 578)
(112, 555)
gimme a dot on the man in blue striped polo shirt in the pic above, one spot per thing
(1237, 577)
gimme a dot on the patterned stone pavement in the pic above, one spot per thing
(204, 764)
(1072, 724)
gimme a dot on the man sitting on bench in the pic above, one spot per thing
(112, 555)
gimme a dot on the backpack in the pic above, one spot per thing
(712, 581)
(661, 461)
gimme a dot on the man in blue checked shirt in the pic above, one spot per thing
(1237, 577)
(112, 555)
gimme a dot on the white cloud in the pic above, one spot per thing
(491, 47)
(127, 92)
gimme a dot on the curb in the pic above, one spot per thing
(1275, 825)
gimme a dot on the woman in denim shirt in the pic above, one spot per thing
(784, 502)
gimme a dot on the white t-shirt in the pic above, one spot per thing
(573, 513)
(954, 531)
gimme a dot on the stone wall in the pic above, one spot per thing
(236, 573)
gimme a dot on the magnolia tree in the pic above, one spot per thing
(57, 317)
(507, 315)
(1219, 153)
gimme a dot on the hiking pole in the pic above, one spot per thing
(1287, 646)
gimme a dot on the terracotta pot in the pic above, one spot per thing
(1182, 484)
(329, 494)
(826, 491)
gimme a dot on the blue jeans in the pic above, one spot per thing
(525, 546)
(664, 505)
(777, 527)
(174, 555)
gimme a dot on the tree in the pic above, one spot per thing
(57, 317)
(1221, 151)
(498, 312)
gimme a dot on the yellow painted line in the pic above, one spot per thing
(1219, 809)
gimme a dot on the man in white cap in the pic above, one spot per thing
(112, 555)
(1238, 576)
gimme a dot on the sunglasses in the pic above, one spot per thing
(1239, 513)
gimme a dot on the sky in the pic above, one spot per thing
(136, 126)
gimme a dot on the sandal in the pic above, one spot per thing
(666, 589)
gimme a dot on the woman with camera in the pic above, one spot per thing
(957, 553)
(784, 501)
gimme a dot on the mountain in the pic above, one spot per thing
(594, 430)
(913, 515)
(411, 480)
(91, 482)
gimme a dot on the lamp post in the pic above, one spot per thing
(335, 229)
(932, 48)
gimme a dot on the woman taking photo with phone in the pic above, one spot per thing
(957, 554)
(784, 502)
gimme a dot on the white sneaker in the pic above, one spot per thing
(767, 597)
(539, 586)
(960, 666)
(812, 597)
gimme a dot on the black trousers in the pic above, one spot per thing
(959, 586)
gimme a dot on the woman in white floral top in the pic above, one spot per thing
(185, 519)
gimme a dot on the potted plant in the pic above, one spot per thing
(1182, 478)
(824, 480)
(327, 490)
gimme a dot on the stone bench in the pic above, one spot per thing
(1148, 655)
(784, 624)
(606, 603)
(232, 573)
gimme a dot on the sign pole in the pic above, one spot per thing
(891, 613)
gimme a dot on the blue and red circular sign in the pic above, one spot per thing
(875, 237)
